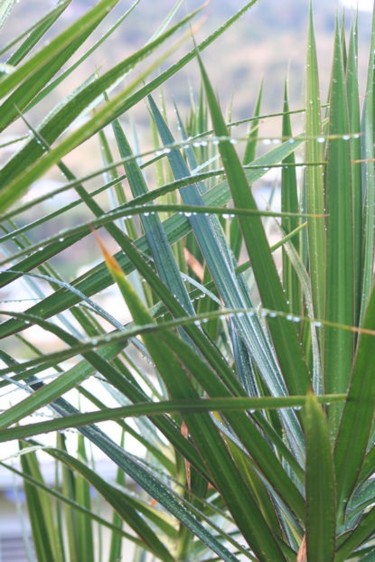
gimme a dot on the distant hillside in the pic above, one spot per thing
(268, 44)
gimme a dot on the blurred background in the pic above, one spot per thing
(267, 44)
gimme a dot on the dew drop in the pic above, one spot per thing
(345, 137)
(293, 318)
(320, 140)
(197, 323)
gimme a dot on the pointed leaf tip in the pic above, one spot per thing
(110, 261)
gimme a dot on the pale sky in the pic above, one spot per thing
(365, 5)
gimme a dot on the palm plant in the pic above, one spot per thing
(237, 374)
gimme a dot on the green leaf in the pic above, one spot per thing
(251, 143)
(220, 263)
(320, 485)
(368, 155)
(289, 202)
(56, 55)
(175, 227)
(172, 368)
(118, 501)
(284, 333)
(149, 482)
(16, 179)
(358, 415)
(52, 85)
(355, 154)
(363, 531)
(245, 428)
(37, 32)
(155, 234)
(225, 405)
(314, 176)
(118, 106)
(52, 493)
(338, 344)
(40, 512)
(84, 524)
